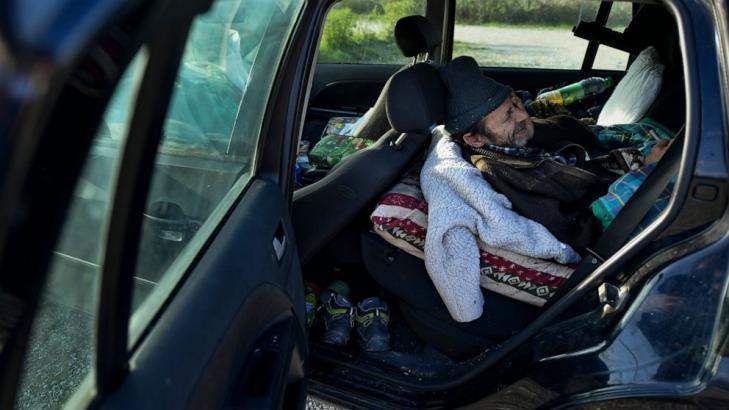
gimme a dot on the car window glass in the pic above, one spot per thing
(362, 31)
(609, 58)
(61, 345)
(620, 15)
(522, 34)
(211, 131)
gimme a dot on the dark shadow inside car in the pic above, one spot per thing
(337, 242)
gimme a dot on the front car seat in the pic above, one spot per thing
(417, 38)
(414, 105)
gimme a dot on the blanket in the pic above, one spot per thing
(464, 208)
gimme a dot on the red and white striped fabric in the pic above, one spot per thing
(401, 218)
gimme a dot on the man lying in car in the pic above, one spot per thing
(545, 167)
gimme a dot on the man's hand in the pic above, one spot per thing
(657, 151)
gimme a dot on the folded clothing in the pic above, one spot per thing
(401, 219)
(643, 136)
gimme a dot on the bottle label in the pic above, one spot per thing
(552, 96)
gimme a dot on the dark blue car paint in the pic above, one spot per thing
(55, 30)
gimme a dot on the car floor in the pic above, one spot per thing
(409, 359)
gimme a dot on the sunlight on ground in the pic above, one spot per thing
(530, 47)
(313, 403)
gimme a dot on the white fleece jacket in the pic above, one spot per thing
(462, 206)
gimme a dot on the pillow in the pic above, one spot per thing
(636, 92)
(401, 219)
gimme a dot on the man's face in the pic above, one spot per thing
(508, 125)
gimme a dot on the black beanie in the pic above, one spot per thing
(470, 95)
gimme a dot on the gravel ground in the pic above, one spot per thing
(313, 403)
(530, 47)
(58, 358)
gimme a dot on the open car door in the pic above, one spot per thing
(147, 257)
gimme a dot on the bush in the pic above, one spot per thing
(366, 37)
(539, 12)
(362, 31)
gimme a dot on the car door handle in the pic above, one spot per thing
(279, 242)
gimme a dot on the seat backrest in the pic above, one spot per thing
(414, 105)
(416, 37)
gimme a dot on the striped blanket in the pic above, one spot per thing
(401, 219)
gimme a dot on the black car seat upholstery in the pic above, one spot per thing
(654, 26)
(414, 105)
(416, 37)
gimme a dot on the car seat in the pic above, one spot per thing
(414, 105)
(405, 276)
(653, 26)
(417, 38)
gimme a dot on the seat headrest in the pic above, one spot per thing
(415, 35)
(415, 99)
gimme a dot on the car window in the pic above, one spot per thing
(609, 58)
(524, 34)
(61, 345)
(207, 154)
(362, 31)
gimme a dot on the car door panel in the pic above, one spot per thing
(235, 305)
(346, 89)
(238, 302)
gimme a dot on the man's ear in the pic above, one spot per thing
(474, 140)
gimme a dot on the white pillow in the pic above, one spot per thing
(636, 92)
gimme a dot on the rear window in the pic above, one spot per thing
(532, 34)
(362, 31)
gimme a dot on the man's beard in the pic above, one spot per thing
(521, 134)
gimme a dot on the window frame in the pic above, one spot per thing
(125, 221)
(45, 180)
(135, 177)
(166, 24)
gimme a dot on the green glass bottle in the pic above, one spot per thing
(577, 91)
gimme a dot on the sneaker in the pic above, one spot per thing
(337, 315)
(372, 317)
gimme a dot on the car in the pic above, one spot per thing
(156, 232)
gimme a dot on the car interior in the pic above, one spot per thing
(335, 235)
(215, 176)
(402, 110)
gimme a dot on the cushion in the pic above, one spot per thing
(415, 35)
(401, 219)
(635, 93)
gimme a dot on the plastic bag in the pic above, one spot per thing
(333, 148)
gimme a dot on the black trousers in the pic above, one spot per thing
(405, 277)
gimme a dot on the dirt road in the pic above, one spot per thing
(530, 47)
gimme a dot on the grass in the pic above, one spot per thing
(361, 31)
